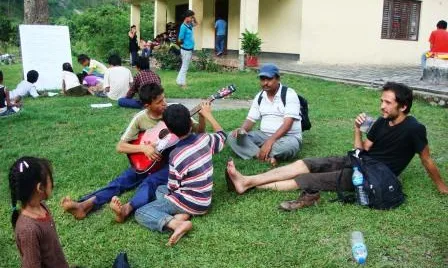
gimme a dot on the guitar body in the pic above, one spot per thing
(139, 161)
(160, 136)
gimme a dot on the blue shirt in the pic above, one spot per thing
(220, 27)
(186, 36)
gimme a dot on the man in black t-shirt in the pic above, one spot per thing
(394, 139)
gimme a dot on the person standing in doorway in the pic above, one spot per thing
(186, 41)
(133, 45)
(220, 27)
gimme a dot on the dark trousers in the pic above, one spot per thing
(134, 56)
(128, 180)
(130, 103)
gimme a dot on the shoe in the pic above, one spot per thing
(10, 111)
(305, 200)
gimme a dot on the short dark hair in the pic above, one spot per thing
(82, 58)
(32, 76)
(133, 26)
(1, 75)
(150, 92)
(114, 60)
(442, 25)
(177, 119)
(67, 67)
(142, 63)
(403, 94)
(188, 13)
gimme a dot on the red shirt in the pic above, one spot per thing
(439, 41)
(144, 77)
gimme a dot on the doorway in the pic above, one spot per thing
(222, 11)
(179, 14)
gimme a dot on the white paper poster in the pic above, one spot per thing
(44, 49)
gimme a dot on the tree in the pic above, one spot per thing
(35, 11)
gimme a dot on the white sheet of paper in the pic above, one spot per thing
(44, 49)
(101, 105)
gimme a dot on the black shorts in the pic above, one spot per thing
(324, 173)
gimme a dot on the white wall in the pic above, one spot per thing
(349, 32)
(279, 25)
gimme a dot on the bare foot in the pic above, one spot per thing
(182, 217)
(236, 177)
(180, 231)
(115, 205)
(273, 161)
(73, 208)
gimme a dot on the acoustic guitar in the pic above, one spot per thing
(162, 139)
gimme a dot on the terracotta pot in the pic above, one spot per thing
(251, 61)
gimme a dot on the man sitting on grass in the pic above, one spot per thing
(190, 182)
(394, 139)
(154, 102)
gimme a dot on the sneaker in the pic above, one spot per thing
(10, 111)
(305, 200)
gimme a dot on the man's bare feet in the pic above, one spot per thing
(115, 205)
(236, 178)
(73, 208)
(180, 231)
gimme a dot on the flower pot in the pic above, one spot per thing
(251, 61)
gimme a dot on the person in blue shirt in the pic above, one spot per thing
(186, 41)
(220, 27)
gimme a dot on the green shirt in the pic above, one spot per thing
(139, 123)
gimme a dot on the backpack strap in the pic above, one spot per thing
(283, 92)
(260, 97)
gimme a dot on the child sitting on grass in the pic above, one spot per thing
(70, 82)
(5, 106)
(190, 182)
(14, 97)
(31, 183)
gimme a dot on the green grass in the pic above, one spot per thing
(239, 231)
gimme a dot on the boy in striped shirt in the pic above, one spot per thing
(190, 182)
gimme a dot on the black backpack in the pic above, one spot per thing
(306, 123)
(380, 183)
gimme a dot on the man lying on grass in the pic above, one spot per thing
(190, 182)
(394, 139)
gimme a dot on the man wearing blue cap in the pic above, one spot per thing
(280, 133)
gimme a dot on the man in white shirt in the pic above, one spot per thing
(280, 134)
(24, 88)
(117, 79)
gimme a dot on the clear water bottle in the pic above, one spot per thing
(359, 249)
(358, 180)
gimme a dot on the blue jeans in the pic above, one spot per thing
(130, 103)
(134, 56)
(158, 213)
(220, 44)
(128, 180)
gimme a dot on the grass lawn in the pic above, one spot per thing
(239, 231)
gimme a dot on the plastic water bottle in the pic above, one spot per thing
(359, 249)
(358, 180)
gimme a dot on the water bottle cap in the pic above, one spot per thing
(362, 260)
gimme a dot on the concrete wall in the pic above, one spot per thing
(233, 25)
(171, 9)
(349, 32)
(279, 25)
(208, 25)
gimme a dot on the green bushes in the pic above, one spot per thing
(104, 29)
(166, 59)
(205, 62)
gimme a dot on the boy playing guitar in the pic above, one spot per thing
(153, 98)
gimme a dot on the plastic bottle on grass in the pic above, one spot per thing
(359, 249)
(358, 180)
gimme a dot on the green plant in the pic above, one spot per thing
(250, 43)
(205, 62)
(167, 59)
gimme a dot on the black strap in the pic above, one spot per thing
(283, 92)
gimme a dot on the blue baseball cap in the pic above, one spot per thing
(268, 70)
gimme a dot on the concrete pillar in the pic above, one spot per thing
(198, 7)
(135, 19)
(249, 21)
(160, 17)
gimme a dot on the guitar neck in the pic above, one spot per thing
(197, 108)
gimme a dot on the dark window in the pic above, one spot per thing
(401, 19)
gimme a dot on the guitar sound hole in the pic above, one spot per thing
(163, 133)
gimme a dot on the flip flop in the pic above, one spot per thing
(230, 185)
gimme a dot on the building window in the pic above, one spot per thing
(401, 19)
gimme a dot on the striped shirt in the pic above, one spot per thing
(190, 179)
